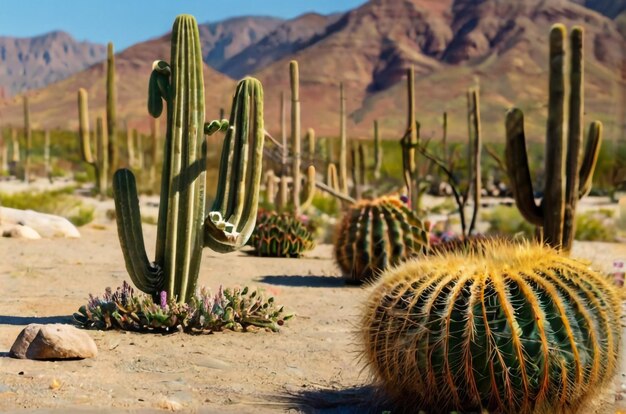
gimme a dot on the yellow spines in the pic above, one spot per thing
(506, 328)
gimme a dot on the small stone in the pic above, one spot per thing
(55, 384)
(54, 341)
(171, 405)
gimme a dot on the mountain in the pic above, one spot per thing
(287, 38)
(500, 45)
(223, 40)
(55, 105)
(27, 63)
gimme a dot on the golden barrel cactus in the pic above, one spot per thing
(376, 234)
(506, 328)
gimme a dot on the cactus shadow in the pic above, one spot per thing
(359, 399)
(27, 320)
(304, 281)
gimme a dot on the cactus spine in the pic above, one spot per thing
(568, 176)
(183, 228)
(503, 329)
(376, 234)
(111, 108)
(343, 167)
(28, 138)
(99, 163)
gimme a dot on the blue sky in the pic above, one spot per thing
(126, 22)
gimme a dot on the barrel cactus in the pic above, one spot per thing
(505, 328)
(183, 227)
(376, 234)
(280, 235)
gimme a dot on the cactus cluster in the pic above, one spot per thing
(568, 176)
(183, 228)
(280, 235)
(376, 234)
(503, 328)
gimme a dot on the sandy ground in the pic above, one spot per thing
(315, 354)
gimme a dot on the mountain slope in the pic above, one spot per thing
(222, 40)
(27, 63)
(285, 39)
(55, 105)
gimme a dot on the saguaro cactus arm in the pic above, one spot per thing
(83, 126)
(233, 215)
(518, 169)
(148, 277)
(590, 159)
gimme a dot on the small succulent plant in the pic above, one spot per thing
(229, 309)
(280, 235)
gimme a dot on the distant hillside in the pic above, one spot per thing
(500, 45)
(28, 63)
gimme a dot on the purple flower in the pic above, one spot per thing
(163, 299)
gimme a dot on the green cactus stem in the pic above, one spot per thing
(310, 138)
(568, 176)
(4, 154)
(130, 147)
(155, 138)
(378, 152)
(475, 147)
(409, 142)
(28, 140)
(46, 154)
(343, 154)
(111, 108)
(294, 77)
(100, 162)
(183, 228)
(15, 147)
(332, 179)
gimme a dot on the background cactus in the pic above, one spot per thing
(568, 177)
(508, 329)
(343, 151)
(378, 152)
(28, 140)
(280, 235)
(111, 108)
(100, 163)
(183, 228)
(376, 234)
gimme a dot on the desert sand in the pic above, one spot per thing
(315, 354)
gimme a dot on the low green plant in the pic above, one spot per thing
(229, 309)
(59, 202)
(508, 221)
(595, 226)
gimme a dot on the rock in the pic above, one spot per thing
(47, 225)
(55, 341)
(21, 232)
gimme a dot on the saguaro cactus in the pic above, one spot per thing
(46, 155)
(568, 177)
(378, 152)
(343, 151)
(183, 228)
(100, 163)
(310, 138)
(111, 108)
(409, 142)
(28, 140)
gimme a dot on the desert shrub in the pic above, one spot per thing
(595, 226)
(229, 309)
(59, 202)
(508, 221)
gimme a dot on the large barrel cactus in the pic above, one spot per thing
(504, 328)
(376, 234)
(183, 227)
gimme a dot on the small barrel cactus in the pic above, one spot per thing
(376, 234)
(280, 235)
(504, 328)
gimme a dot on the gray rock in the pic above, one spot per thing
(47, 225)
(55, 341)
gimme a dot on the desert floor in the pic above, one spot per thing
(312, 360)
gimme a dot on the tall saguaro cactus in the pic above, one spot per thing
(28, 139)
(183, 228)
(378, 152)
(409, 142)
(343, 152)
(568, 176)
(111, 107)
(100, 162)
